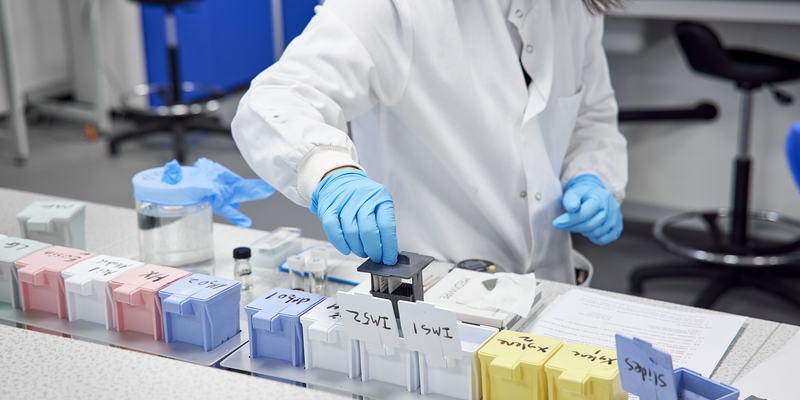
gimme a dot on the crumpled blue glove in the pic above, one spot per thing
(229, 189)
(207, 181)
(591, 210)
(357, 214)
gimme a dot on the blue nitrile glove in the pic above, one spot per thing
(229, 189)
(357, 214)
(206, 181)
(591, 210)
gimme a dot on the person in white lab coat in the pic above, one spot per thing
(453, 141)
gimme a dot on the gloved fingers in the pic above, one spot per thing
(384, 215)
(352, 232)
(611, 236)
(588, 209)
(598, 227)
(369, 233)
(234, 215)
(572, 199)
(333, 230)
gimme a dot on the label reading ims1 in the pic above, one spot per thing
(430, 330)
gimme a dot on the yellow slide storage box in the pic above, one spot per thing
(512, 365)
(580, 372)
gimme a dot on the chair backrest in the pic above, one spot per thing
(793, 152)
(702, 48)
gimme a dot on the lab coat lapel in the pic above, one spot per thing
(538, 31)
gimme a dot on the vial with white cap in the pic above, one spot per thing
(320, 252)
(296, 266)
(318, 273)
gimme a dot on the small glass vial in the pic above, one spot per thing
(320, 252)
(318, 274)
(242, 270)
(297, 272)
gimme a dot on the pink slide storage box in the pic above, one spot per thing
(40, 282)
(136, 302)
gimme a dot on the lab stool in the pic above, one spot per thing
(178, 115)
(731, 247)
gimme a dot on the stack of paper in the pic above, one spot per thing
(696, 341)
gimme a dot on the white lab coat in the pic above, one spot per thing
(440, 113)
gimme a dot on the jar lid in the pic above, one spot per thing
(172, 185)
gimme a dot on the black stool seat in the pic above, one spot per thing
(747, 68)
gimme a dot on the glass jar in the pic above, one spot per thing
(175, 236)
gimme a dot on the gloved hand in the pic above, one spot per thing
(227, 190)
(357, 214)
(591, 210)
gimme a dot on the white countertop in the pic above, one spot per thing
(46, 366)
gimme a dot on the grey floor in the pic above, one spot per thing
(64, 163)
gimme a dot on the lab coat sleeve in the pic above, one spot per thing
(291, 125)
(596, 146)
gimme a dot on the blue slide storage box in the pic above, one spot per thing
(702, 388)
(274, 323)
(201, 310)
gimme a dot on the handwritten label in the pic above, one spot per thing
(369, 319)
(333, 311)
(430, 330)
(106, 267)
(524, 343)
(288, 298)
(596, 356)
(64, 206)
(645, 371)
(154, 276)
(68, 258)
(15, 246)
(214, 285)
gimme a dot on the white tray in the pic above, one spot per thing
(240, 360)
(84, 330)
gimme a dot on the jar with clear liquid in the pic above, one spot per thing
(175, 236)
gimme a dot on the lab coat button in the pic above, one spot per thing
(523, 194)
(519, 13)
(538, 196)
(529, 48)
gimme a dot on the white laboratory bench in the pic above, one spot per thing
(38, 365)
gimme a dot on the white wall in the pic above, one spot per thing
(123, 48)
(54, 47)
(42, 55)
(687, 165)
